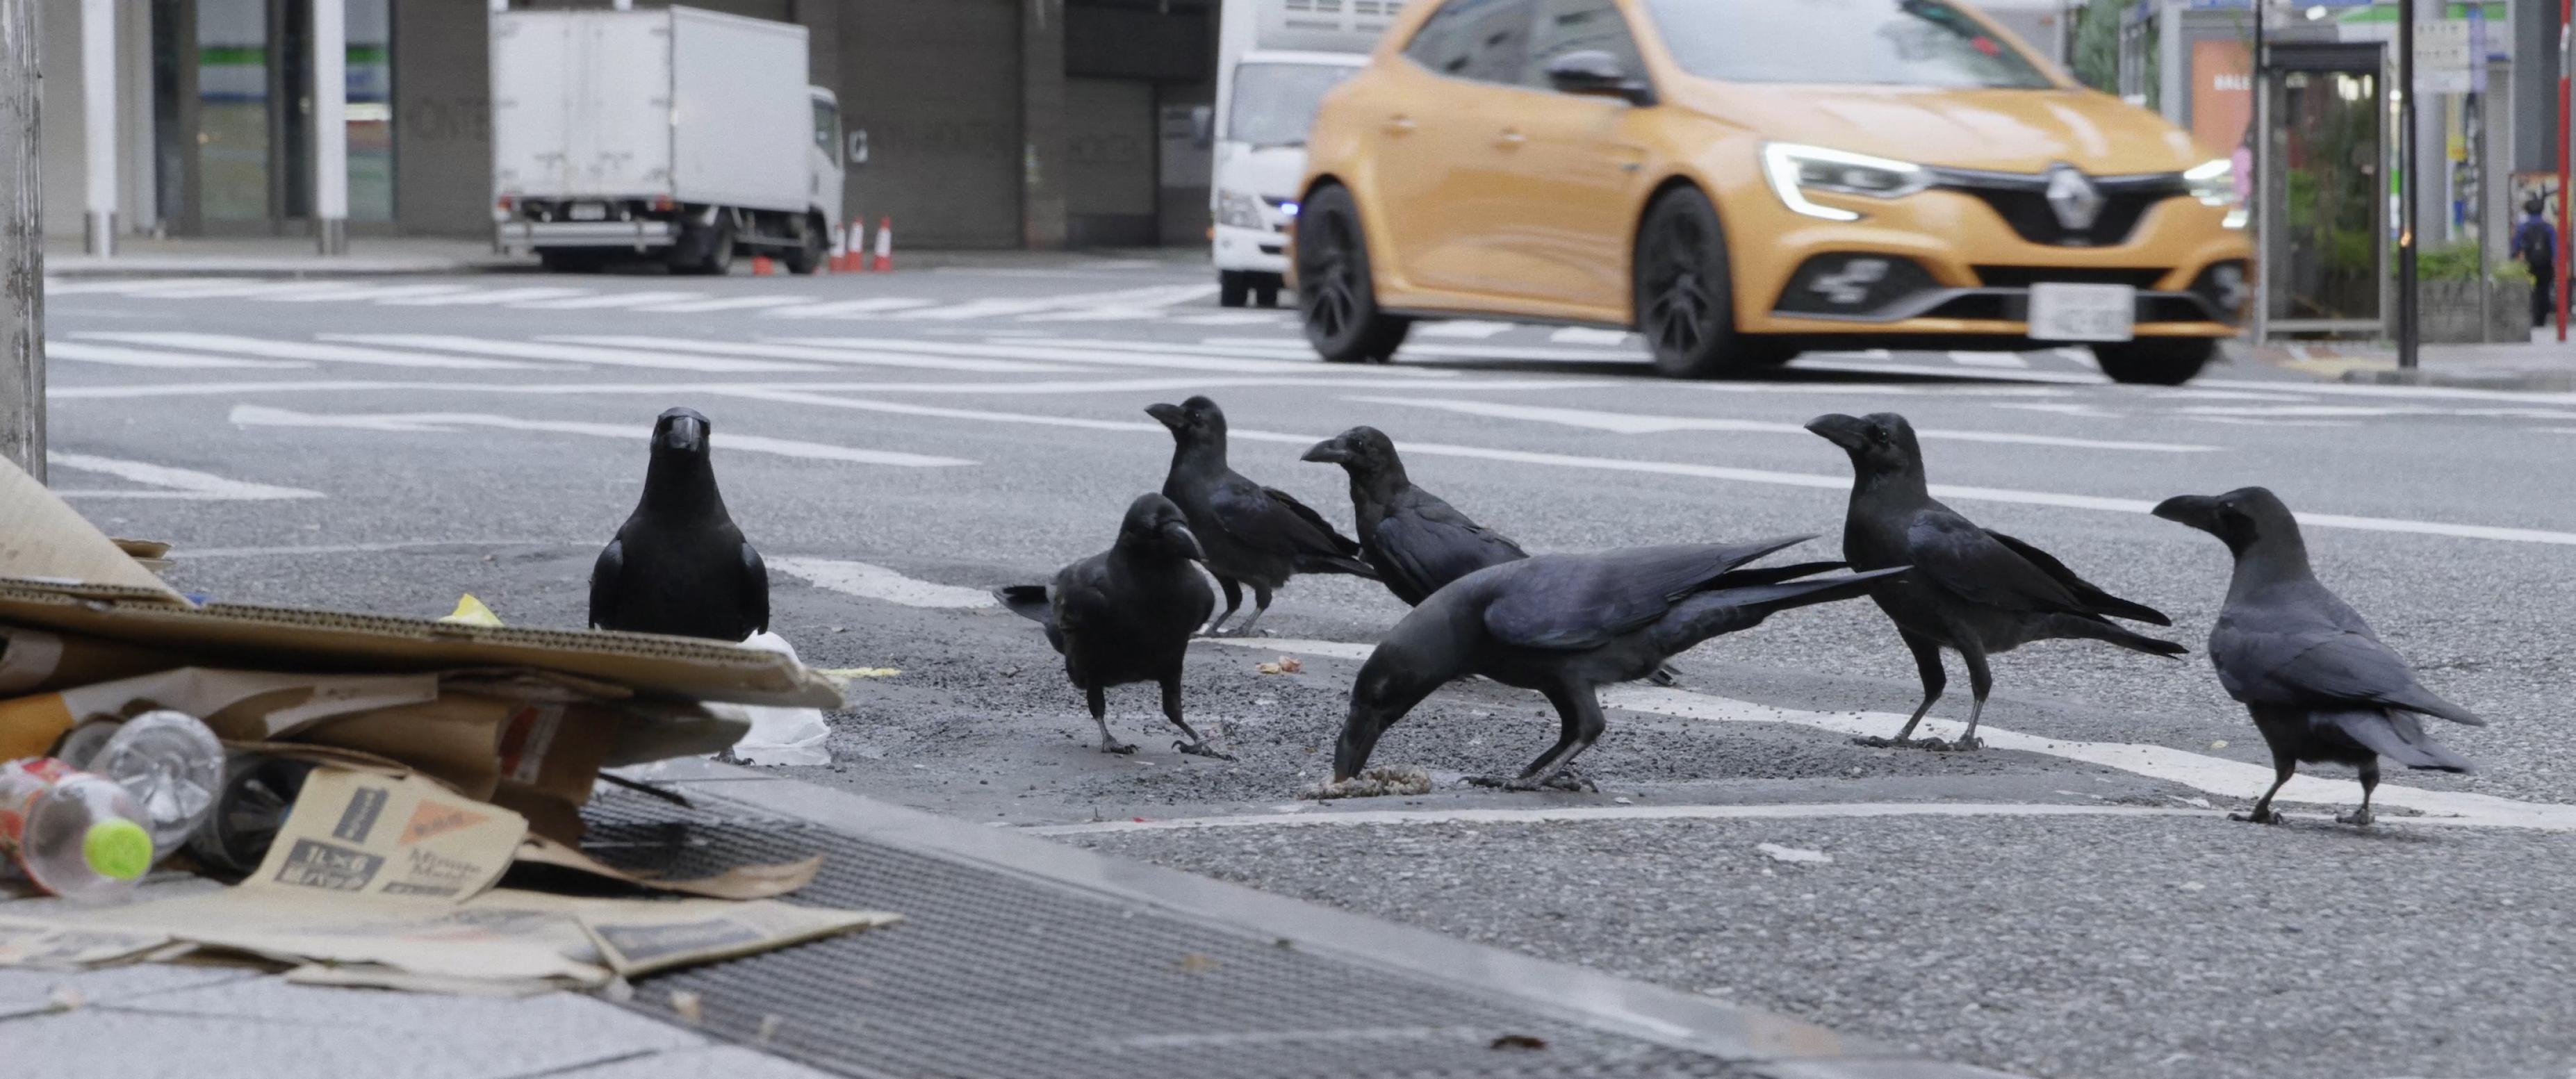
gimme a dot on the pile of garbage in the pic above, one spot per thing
(340, 795)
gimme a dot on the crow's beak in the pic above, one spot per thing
(1331, 451)
(2197, 511)
(1184, 542)
(1169, 415)
(686, 434)
(1847, 432)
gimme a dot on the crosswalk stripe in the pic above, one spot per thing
(613, 299)
(309, 350)
(264, 416)
(1158, 296)
(343, 292)
(1634, 424)
(613, 357)
(86, 352)
(495, 297)
(1448, 351)
(1827, 362)
(218, 288)
(1093, 357)
(1298, 352)
(863, 358)
(724, 303)
(877, 305)
(128, 285)
(1466, 328)
(1236, 318)
(1585, 335)
(1990, 359)
(171, 483)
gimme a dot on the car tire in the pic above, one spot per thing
(1685, 303)
(2169, 361)
(812, 246)
(1233, 288)
(1336, 296)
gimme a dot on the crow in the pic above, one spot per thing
(1252, 534)
(1125, 615)
(679, 565)
(2319, 684)
(1567, 624)
(1973, 591)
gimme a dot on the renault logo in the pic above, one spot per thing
(2074, 199)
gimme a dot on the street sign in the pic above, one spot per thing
(2442, 57)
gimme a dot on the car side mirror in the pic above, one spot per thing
(1594, 73)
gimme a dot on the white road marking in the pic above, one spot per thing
(1301, 355)
(863, 358)
(849, 308)
(493, 298)
(1152, 297)
(445, 422)
(614, 357)
(2080, 357)
(86, 352)
(308, 350)
(611, 300)
(2234, 779)
(346, 293)
(1820, 363)
(131, 286)
(2012, 360)
(725, 303)
(1092, 357)
(2065, 409)
(1578, 814)
(172, 483)
(879, 583)
(1584, 335)
(2355, 389)
(1633, 424)
(197, 553)
(664, 389)
(1469, 329)
(1235, 318)
(2304, 411)
(1298, 347)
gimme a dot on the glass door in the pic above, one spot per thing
(2324, 244)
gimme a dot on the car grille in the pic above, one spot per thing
(2022, 201)
(2026, 276)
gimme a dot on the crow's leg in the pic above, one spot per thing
(1980, 682)
(1927, 663)
(1233, 603)
(2369, 782)
(1260, 606)
(1099, 700)
(2283, 766)
(1579, 725)
(1197, 746)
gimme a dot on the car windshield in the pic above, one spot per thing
(1841, 42)
(1274, 104)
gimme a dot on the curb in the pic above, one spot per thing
(2529, 381)
(296, 270)
(1764, 1044)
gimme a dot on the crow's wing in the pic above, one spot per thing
(1427, 544)
(2267, 656)
(604, 577)
(2397, 736)
(1269, 520)
(2093, 596)
(755, 590)
(1574, 602)
(1028, 601)
(1334, 542)
(1947, 550)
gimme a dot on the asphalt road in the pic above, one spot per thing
(924, 436)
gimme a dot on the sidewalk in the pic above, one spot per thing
(2542, 363)
(294, 257)
(1019, 957)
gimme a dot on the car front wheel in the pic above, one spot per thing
(1335, 294)
(2169, 361)
(1685, 294)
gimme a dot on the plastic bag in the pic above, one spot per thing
(780, 736)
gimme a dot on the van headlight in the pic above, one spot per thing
(1795, 170)
(1237, 209)
(2212, 182)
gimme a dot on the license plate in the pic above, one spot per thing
(589, 211)
(2082, 312)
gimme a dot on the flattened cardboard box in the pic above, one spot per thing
(60, 573)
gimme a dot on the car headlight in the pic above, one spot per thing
(2212, 182)
(1238, 209)
(1795, 170)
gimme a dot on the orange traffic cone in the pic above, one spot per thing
(858, 245)
(840, 261)
(885, 244)
(760, 266)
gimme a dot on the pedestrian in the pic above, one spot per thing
(2536, 244)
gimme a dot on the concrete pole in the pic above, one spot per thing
(98, 123)
(331, 126)
(2408, 334)
(22, 244)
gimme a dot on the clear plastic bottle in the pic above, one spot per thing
(76, 834)
(172, 765)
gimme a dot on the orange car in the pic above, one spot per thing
(1741, 180)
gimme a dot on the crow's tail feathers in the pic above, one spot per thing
(1785, 595)
(2397, 736)
(1324, 563)
(1028, 601)
(2096, 629)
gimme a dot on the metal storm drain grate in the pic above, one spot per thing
(996, 976)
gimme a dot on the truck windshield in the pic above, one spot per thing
(1274, 104)
(1841, 42)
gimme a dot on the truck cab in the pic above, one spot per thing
(1260, 153)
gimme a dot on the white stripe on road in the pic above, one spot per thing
(308, 350)
(858, 357)
(1290, 346)
(132, 286)
(1468, 329)
(2370, 412)
(1152, 297)
(726, 303)
(86, 352)
(614, 357)
(344, 293)
(1101, 357)
(849, 308)
(172, 483)
(1633, 424)
(443, 422)
(1312, 814)
(2233, 779)
(1235, 318)
(614, 299)
(664, 389)
(2059, 378)
(1584, 335)
(2008, 360)
(879, 583)
(493, 298)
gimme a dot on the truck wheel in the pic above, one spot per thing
(1265, 293)
(572, 261)
(2166, 361)
(1233, 287)
(811, 247)
(707, 250)
(1335, 292)
(1685, 295)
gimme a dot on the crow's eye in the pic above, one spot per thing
(1878, 435)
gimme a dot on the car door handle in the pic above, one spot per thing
(1510, 139)
(1399, 124)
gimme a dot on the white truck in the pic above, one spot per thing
(1275, 61)
(680, 135)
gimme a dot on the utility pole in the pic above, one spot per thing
(2566, 10)
(2409, 185)
(2259, 115)
(331, 126)
(22, 244)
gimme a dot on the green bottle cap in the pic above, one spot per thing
(117, 849)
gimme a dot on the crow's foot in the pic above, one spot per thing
(2260, 815)
(1201, 749)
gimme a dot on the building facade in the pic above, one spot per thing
(971, 123)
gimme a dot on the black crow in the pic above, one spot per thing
(1972, 591)
(2320, 685)
(1252, 534)
(1125, 615)
(678, 565)
(1415, 541)
(1567, 624)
